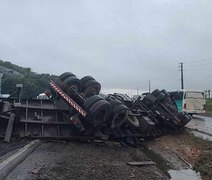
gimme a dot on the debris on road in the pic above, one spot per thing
(141, 163)
(36, 170)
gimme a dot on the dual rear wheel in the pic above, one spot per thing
(87, 86)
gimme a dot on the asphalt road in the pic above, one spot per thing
(83, 161)
(201, 126)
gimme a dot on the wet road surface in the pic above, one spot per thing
(84, 161)
(202, 126)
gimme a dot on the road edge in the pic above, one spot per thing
(11, 162)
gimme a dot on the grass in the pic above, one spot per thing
(208, 105)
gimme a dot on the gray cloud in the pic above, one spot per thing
(123, 44)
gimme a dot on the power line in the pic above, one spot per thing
(197, 80)
(200, 64)
(166, 77)
(172, 78)
(198, 68)
(198, 61)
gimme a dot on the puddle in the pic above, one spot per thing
(187, 174)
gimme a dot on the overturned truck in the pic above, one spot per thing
(75, 110)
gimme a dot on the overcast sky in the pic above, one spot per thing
(122, 43)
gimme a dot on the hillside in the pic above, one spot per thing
(9, 72)
(33, 83)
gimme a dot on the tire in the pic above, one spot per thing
(90, 88)
(85, 79)
(91, 101)
(133, 121)
(118, 108)
(111, 97)
(73, 83)
(167, 95)
(172, 108)
(164, 92)
(145, 124)
(120, 98)
(60, 84)
(118, 116)
(149, 99)
(161, 97)
(115, 103)
(184, 118)
(155, 93)
(99, 113)
(65, 75)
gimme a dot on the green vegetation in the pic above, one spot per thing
(208, 105)
(33, 83)
(204, 165)
(23, 71)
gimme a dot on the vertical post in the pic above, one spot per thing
(19, 86)
(182, 82)
(9, 129)
(149, 86)
(1, 75)
(206, 94)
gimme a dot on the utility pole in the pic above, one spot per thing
(182, 81)
(149, 86)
